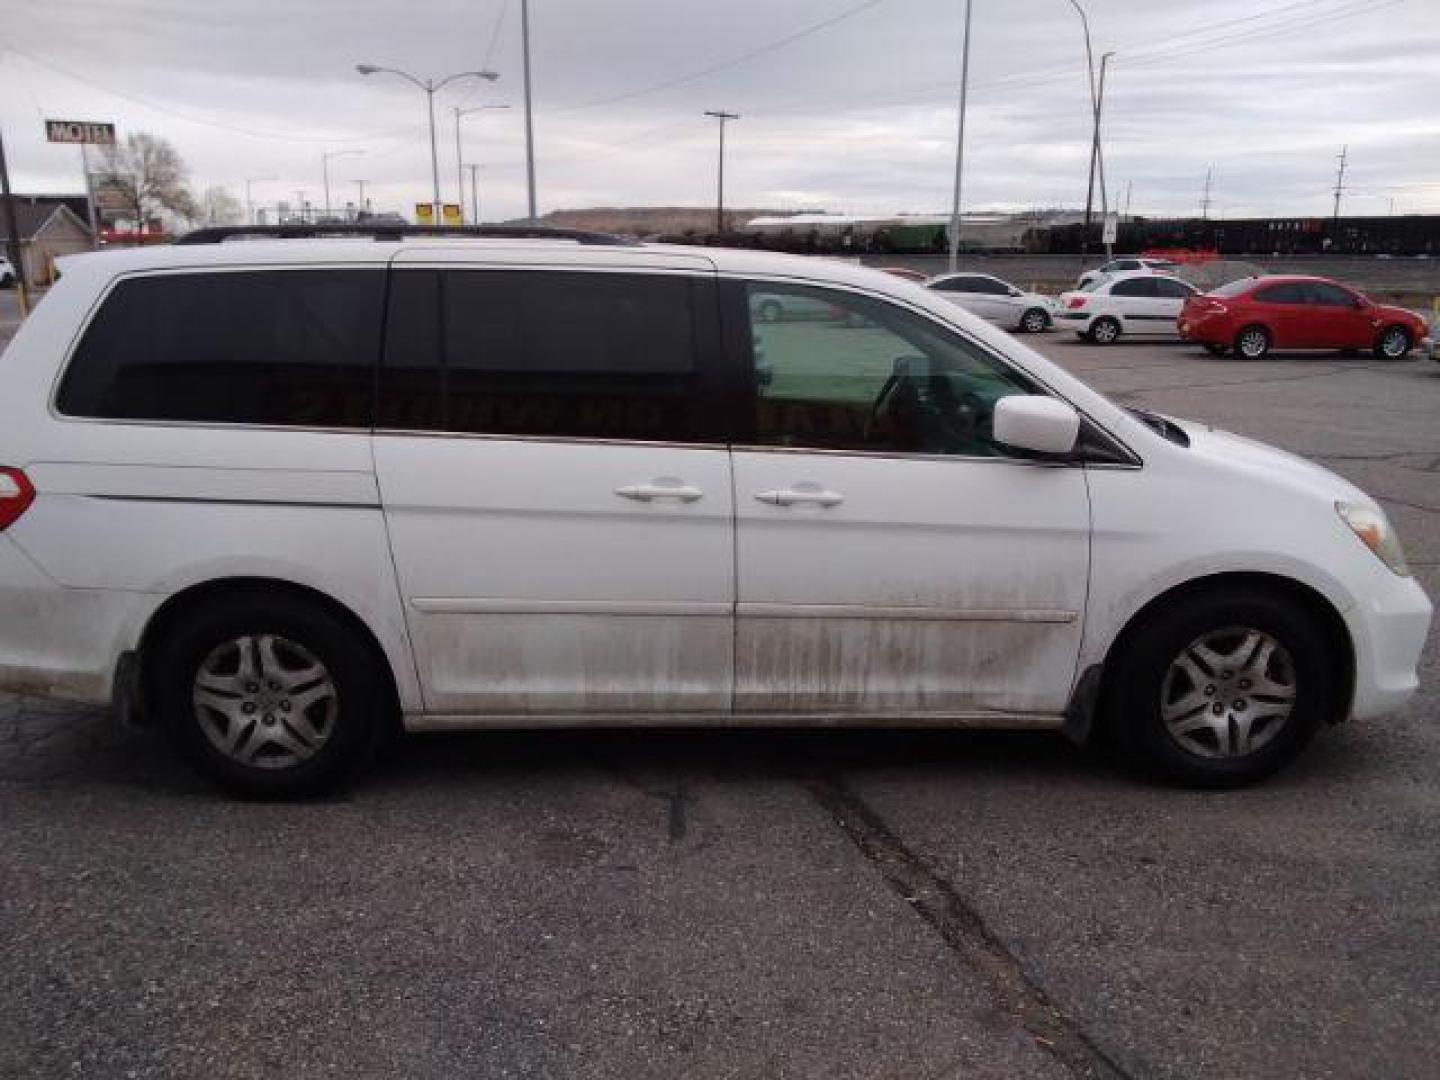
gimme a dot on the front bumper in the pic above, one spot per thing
(1388, 628)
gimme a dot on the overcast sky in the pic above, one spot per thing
(858, 115)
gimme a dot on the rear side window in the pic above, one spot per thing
(1288, 293)
(1140, 286)
(1172, 288)
(1329, 295)
(561, 354)
(276, 347)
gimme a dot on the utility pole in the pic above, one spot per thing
(723, 117)
(364, 209)
(529, 112)
(474, 193)
(17, 261)
(1340, 182)
(1129, 185)
(1205, 199)
(960, 143)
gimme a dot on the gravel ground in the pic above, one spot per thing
(740, 904)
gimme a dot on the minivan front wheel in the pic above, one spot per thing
(1223, 689)
(270, 697)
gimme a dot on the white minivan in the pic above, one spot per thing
(281, 496)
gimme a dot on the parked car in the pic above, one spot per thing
(777, 307)
(999, 301)
(277, 497)
(7, 273)
(1125, 265)
(1254, 315)
(1140, 303)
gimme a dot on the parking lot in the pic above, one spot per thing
(761, 904)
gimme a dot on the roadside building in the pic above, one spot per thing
(49, 229)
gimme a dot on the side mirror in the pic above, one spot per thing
(1036, 423)
(1016, 292)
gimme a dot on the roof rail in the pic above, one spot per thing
(218, 234)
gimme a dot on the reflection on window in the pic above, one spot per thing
(869, 376)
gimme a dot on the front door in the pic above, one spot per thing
(892, 558)
(556, 486)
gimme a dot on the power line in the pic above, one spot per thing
(723, 65)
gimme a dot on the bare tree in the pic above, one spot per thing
(147, 173)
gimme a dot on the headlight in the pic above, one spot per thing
(1374, 531)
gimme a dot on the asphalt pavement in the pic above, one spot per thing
(736, 904)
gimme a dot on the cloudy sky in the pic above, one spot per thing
(845, 105)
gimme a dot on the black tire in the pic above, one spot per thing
(1034, 321)
(362, 701)
(1105, 330)
(1137, 681)
(1393, 343)
(1216, 350)
(1252, 342)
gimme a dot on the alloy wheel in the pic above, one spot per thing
(1228, 693)
(1252, 344)
(1395, 343)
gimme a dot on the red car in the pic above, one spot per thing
(1255, 315)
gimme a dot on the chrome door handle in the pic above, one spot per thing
(801, 493)
(662, 487)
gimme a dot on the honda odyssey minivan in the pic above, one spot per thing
(280, 496)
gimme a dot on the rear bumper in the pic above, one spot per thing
(1388, 628)
(1203, 331)
(58, 642)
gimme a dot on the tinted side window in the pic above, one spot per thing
(549, 353)
(991, 287)
(878, 379)
(1329, 295)
(282, 347)
(1289, 293)
(1140, 286)
(965, 284)
(1172, 288)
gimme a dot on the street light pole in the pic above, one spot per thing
(723, 117)
(460, 154)
(430, 86)
(960, 144)
(529, 111)
(1099, 150)
(363, 208)
(325, 170)
(1094, 138)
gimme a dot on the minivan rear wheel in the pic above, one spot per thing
(1222, 689)
(270, 697)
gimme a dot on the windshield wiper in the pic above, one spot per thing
(1166, 429)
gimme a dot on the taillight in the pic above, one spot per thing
(16, 495)
(1075, 302)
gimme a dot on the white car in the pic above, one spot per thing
(277, 497)
(997, 300)
(7, 273)
(1139, 303)
(1125, 265)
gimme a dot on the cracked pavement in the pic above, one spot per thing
(718, 904)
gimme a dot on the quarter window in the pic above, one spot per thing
(274, 347)
(875, 378)
(548, 353)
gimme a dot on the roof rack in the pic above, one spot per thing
(395, 231)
